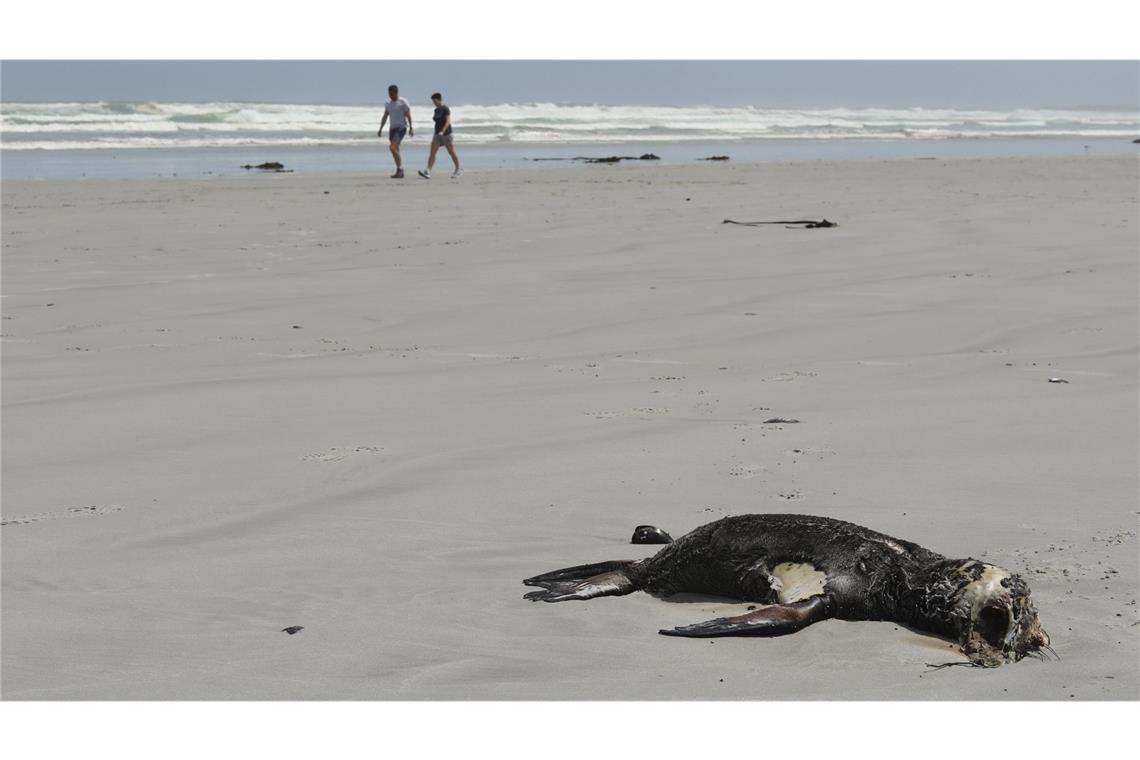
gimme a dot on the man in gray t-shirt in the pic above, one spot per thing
(401, 114)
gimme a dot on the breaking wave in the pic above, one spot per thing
(122, 126)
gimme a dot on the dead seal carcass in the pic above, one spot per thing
(804, 569)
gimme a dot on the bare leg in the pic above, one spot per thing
(396, 154)
(455, 158)
(431, 156)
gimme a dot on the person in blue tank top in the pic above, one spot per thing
(442, 136)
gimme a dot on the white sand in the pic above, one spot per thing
(370, 408)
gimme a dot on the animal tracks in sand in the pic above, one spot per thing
(91, 511)
(338, 453)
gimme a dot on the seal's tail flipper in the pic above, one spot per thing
(584, 582)
(578, 572)
(775, 620)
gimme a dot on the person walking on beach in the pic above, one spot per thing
(401, 114)
(442, 136)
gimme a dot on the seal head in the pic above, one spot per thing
(998, 620)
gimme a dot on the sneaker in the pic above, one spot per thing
(425, 174)
(399, 174)
(457, 173)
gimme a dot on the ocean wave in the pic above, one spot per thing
(126, 125)
(128, 108)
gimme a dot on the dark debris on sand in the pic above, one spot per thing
(268, 166)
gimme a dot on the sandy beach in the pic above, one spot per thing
(370, 408)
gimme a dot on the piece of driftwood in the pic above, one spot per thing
(714, 158)
(808, 224)
(615, 159)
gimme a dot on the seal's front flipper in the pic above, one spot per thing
(775, 620)
(613, 583)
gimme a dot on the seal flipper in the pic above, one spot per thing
(775, 620)
(584, 582)
(615, 583)
(578, 572)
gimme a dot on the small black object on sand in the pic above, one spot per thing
(780, 421)
(268, 166)
(808, 224)
(615, 159)
(714, 158)
(292, 629)
(650, 534)
(603, 159)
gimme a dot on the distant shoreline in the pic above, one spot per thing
(143, 163)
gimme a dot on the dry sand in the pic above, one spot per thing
(370, 408)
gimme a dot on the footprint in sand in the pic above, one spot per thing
(746, 471)
(785, 377)
(644, 411)
(92, 511)
(810, 452)
(337, 453)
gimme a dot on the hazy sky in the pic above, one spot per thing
(961, 84)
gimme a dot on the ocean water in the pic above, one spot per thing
(145, 139)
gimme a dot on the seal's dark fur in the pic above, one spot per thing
(869, 576)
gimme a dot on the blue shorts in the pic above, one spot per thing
(396, 136)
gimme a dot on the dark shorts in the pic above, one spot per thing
(439, 139)
(396, 136)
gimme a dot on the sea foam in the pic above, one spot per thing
(118, 125)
